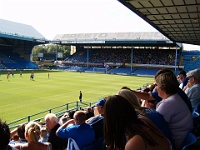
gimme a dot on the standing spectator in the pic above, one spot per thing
(80, 96)
(5, 137)
(124, 130)
(52, 125)
(172, 106)
(80, 134)
(193, 89)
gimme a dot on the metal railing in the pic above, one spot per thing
(59, 111)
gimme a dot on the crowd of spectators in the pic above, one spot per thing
(158, 116)
(140, 56)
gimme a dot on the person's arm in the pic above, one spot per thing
(143, 95)
(136, 143)
(71, 121)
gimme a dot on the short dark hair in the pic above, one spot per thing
(21, 131)
(182, 72)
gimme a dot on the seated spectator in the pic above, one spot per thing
(124, 130)
(154, 95)
(52, 125)
(15, 139)
(172, 107)
(183, 80)
(71, 114)
(5, 137)
(32, 134)
(89, 113)
(43, 135)
(149, 103)
(150, 113)
(97, 121)
(63, 120)
(20, 131)
(193, 88)
(80, 134)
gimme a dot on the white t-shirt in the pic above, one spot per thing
(193, 94)
(178, 117)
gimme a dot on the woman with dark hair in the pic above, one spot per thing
(5, 136)
(124, 130)
(150, 113)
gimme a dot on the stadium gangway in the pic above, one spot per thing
(59, 111)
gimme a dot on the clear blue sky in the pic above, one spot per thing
(51, 17)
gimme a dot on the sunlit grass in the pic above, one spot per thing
(21, 97)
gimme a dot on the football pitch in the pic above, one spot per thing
(21, 96)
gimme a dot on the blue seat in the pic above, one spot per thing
(196, 111)
(189, 140)
(196, 120)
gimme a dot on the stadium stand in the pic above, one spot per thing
(146, 71)
(16, 43)
(191, 60)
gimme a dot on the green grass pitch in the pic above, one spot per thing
(20, 97)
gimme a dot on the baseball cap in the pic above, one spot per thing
(195, 73)
(101, 102)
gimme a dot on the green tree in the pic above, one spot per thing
(50, 48)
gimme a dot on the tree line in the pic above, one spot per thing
(51, 48)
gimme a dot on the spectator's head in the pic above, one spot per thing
(194, 76)
(51, 121)
(182, 75)
(71, 114)
(167, 83)
(15, 138)
(43, 132)
(125, 87)
(100, 105)
(79, 117)
(119, 116)
(32, 132)
(4, 135)
(21, 131)
(130, 97)
(64, 120)
(89, 112)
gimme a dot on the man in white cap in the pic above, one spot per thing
(193, 87)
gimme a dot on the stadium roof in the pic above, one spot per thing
(118, 38)
(179, 20)
(14, 30)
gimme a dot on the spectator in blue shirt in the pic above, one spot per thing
(79, 134)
